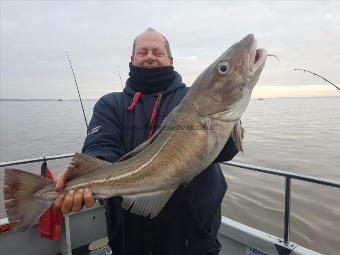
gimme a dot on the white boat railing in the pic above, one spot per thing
(288, 177)
(34, 160)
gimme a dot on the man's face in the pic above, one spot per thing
(150, 51)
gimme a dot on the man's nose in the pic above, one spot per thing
(150, 56)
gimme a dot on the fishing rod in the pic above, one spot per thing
(75, 80)
(121, 82)
(304, 70)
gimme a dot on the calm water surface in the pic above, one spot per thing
(295, 134)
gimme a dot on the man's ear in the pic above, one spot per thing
(131, 58)
(171, 61)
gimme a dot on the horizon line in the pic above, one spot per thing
(93, 99)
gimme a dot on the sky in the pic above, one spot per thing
(98, 36)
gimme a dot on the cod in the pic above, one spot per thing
(187, 142)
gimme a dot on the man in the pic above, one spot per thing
(189, 222)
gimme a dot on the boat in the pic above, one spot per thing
(84, 232)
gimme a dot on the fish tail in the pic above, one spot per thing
(22, 207)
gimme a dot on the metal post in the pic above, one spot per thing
(287, 211)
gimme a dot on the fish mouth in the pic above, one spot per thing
(257, 56)
(260, 56)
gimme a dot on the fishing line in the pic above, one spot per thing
(75, 80)
(326, 80)
(121, 82)
(272, 55)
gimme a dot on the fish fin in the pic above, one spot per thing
(238, 134)
(149, 204)
(142, 146)
(20, 204)
(82, 164)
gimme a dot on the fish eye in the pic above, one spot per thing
(223, 68)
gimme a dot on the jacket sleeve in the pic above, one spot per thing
(228, 152)
(104, 139)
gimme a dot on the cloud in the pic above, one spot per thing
(97, 35)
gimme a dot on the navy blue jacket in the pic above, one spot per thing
(189, 222)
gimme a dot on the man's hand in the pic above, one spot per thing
(73, 200)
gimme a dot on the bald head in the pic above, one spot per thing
(151, 30)
(151, 49)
